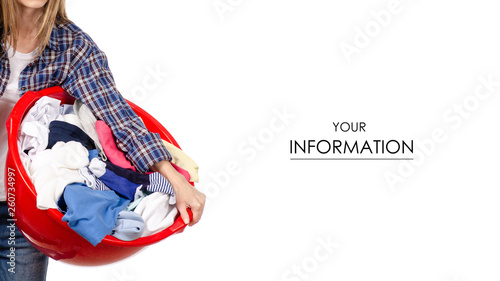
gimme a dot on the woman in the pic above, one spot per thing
(41, 48)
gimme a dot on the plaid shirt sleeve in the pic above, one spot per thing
(89, 79)
(74, 62)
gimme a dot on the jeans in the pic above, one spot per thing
(19, 260)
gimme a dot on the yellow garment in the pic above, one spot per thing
(180, 159)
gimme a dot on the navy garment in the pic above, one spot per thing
(119, 184)
(135, 177)
(125, 182)
(91, 213)
(153, 182)
(65, 132)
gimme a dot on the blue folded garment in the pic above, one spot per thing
(91, 213)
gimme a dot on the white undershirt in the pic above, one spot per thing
(18, 61)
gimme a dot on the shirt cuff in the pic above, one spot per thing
(147, 151)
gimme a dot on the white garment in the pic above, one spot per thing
(88, 178)
(92, 181)
(34, 133)
(69, 116)
(97, 167)
(18, 62)
(158, 211)
(72, 119)
(87, 121)
(53, 169)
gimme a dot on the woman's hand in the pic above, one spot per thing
(186, 196)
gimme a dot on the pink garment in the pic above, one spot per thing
(115, 155)
(107, 140)
(182, 171)
(178, 169)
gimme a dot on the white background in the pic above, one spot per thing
(229, 73)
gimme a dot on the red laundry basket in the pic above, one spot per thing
(44, 228)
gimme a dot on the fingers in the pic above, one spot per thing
(197, 208)
(196, 204)
(186, 195)
(184, 214)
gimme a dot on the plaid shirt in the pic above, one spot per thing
(74, 62)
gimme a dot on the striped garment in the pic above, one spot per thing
(158, 183)
(124, 181)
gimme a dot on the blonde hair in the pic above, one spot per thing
(54, 13)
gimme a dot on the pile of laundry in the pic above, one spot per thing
(74, 163)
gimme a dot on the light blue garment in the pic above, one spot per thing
(91, 213)
(66, 109)
(139, 195)
(129, 226)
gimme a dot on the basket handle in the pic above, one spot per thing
(179, 225)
